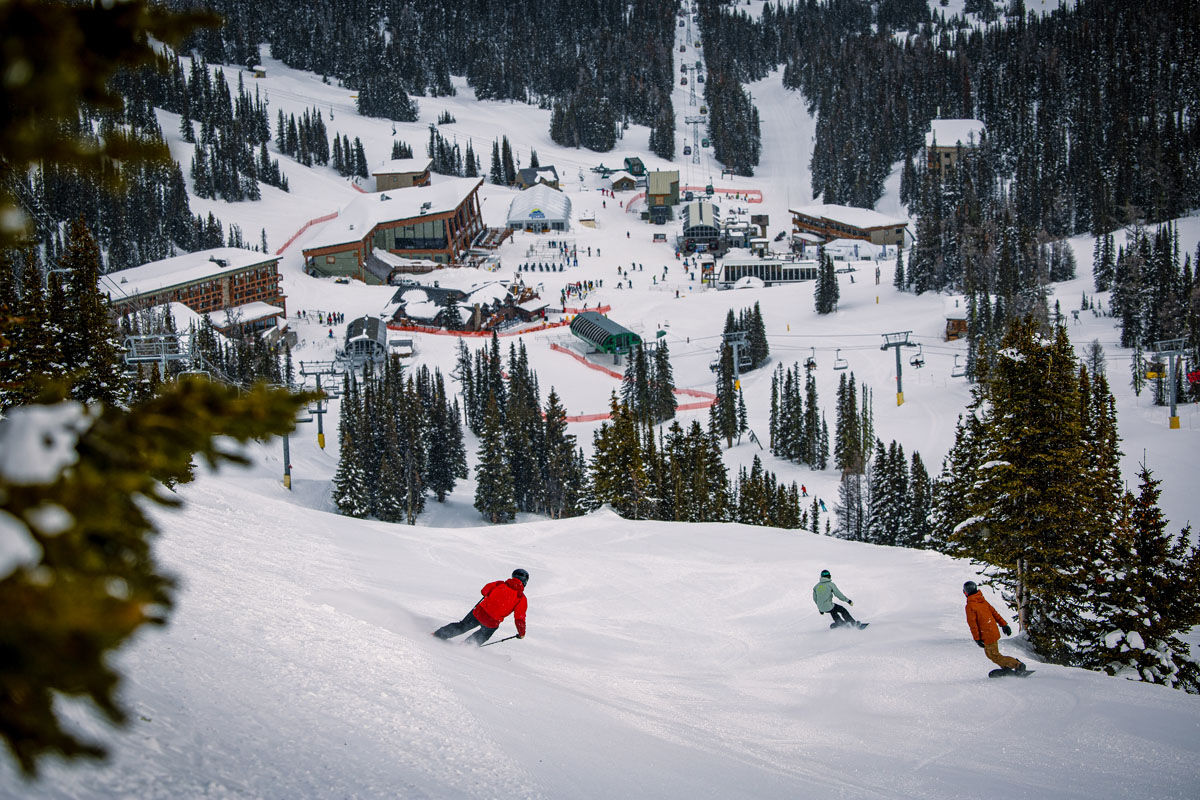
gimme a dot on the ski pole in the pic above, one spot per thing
(498, 641)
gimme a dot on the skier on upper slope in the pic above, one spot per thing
(823, 594)
(983, 621)
(500, 598)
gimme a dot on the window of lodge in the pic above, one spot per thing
(425, 235)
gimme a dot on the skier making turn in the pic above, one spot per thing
(983, 621)
(500, 598)
(823, 594)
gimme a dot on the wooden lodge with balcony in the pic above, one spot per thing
(435, 223)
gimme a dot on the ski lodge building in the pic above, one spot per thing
(948, 138)
(433, 223)
(402, 173)
(240, 288)
(826, 222)
(770, 270)
(538, 209)
(701, 226)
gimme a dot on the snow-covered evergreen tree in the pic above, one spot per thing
(1153, 602)
(494, 491)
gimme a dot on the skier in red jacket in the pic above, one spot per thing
(500, 598)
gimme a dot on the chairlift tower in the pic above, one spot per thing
(696, 120)
(738, 341)
(316, 369)
(287, 452)
(692, 86)
(1172, 350)
(897, 340)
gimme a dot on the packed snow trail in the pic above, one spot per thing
(662, 660)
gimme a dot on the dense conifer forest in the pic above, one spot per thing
(599, 65)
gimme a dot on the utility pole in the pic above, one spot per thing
(1172, 350)
(897, 340)
(316, 369)
(287, 456)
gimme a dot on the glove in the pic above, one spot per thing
(980, 643)
(520, 636)
(822, 613)
(1007, 630)
(850, 602)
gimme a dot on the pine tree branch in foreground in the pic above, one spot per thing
(77, 573)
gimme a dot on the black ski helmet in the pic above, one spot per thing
(824, 573)
(521, 575)
(970, 588)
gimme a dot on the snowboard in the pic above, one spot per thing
(859, 625)
(1002, 673)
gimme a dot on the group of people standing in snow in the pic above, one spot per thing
(501, 598)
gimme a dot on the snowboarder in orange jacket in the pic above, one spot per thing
(985, 624)
(500, 598)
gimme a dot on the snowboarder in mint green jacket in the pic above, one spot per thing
(823, 594)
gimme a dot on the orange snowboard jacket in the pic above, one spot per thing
(983, 619)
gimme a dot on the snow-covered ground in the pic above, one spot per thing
(663, 660)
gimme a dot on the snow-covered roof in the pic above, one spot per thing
(955, 306)
(364, 212)
(536, 304)
(700, 212)
(395, 261)
(426, 310)
(952, 132)
(180, 270)
(860, 247)
(366, 327)
(240, 315)
(848, 215)
(531, 175)
(620, 175)
(394, 166)
(540, 202)
(487, 293)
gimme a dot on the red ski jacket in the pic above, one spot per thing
(983, 619)
(501, 598)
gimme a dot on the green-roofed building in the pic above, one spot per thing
(603, 334)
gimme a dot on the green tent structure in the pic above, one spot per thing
(603, 334)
